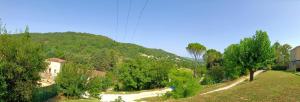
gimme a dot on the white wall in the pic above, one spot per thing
(55, 68)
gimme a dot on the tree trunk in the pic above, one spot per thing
(251, 75)
(194, 72)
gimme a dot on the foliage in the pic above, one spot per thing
(96, 51)
(251, 54)
(196, 50)
(21, 60)
(184, 83)
(215, 75)
(105, 59)
(143, 73)
(233, 68)
(42, 94)
(256, 52)
(270, 86)
(97, 84)
(72, 80)
(212, 58)
(282, 56)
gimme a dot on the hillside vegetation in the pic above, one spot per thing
(96, 51)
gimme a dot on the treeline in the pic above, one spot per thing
(96, 51)
(251, 54)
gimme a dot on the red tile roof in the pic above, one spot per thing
(56, 60)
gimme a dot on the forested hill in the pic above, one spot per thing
(96, 50)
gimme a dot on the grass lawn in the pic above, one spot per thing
(271, 86)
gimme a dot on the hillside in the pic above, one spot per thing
(96, 50)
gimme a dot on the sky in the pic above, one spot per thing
(163, 24)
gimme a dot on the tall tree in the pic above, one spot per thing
(281, 53)
(196, 50)
(277, 52)
(285, 50)
(212, 57)
(256, 52)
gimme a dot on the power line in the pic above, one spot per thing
(117, 20)
(127, 19)
(139, 18)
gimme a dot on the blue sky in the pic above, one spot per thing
(165, 24)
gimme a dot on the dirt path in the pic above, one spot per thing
(133, 97)
(136, 96)
(233, 84)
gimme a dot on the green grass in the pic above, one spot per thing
(205, 88)
(271, 86)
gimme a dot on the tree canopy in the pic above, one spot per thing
(196, 50)
(21, 61)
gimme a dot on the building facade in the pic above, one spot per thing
(295, 59)
(49, 75)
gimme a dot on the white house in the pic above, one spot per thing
(54, 67)
(49, 75)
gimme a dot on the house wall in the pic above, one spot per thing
(55, 68)
(295, 54)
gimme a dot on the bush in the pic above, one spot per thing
(279, 67)
(97, 84)
(184, 83)
(143, 73)
(44, 93)
(215, 75)
(72, 80)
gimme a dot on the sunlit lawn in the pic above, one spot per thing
(271, 86)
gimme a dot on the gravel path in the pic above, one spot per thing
(133, 97)
(233, 84)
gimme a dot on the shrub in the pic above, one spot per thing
(72, 80)
(279, 67)
(143, 73)
(44, 93)
(97, 84)
(183, 82)
(215, 75)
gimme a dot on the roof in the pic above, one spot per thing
(56, 60)
(296, 47)
(95, 73)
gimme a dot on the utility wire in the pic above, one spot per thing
(117, 20)
(127, 19)
(139, 18)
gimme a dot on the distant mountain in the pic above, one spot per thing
(83, 48)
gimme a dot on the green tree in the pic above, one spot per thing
(232, 63)
(21, 61)
(72, 80)
(105, 59)
(277, 52)
(142, 73)
(212, 58)
(196, 50)
(256, 52)
(286, 53)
